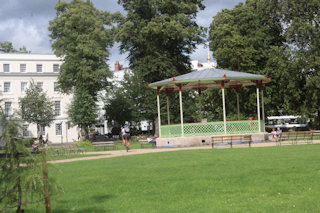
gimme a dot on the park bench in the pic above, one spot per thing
(231, 140)
(145, 142)
(104, 144)
(296, 137)
(65, 149)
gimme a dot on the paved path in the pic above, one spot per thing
(121, 153)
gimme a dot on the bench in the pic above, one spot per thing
(64, 149)
(231, 140)
(145, 142)
(295, 137)
(104, 144)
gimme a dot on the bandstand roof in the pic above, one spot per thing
(210, 78)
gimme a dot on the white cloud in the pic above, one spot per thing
(22, 33)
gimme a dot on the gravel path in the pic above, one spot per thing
(121, 153)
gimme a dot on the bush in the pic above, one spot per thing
(116, 131)
(84, 143)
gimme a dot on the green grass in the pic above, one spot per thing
(272, 179)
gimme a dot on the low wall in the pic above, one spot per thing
(198, 140)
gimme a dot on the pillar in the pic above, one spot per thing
(262, 104)
(168, 107)
(158, 104)
(181, 110)
(258, 106)
(224, 109)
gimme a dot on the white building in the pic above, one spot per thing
(16, 73)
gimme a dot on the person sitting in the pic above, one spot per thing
(153, 140)
(35, 146)
(278, 133)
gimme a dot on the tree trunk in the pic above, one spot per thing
(46, 183)
(19, 204)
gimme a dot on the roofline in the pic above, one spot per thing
(264, 79)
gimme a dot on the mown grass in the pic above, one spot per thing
(272, 179)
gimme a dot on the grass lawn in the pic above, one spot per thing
(271, 179)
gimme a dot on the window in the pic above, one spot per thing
(42, 130)
(25, 130)
(56, 87)
(7, 87)
(56, 68)
(40, 85)
(57, 108)
(23, 86)
(59, 129)
(7, 108)
(6, 68)
(23, 67)
(39, 67)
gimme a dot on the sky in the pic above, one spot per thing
(25, 23)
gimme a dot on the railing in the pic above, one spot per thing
(211, 128)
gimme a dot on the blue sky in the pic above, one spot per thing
(25, 23)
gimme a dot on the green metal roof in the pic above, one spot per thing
(210, 79)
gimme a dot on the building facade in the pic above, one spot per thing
(16, 73)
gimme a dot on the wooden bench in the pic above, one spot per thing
(145, 142)
(65, 149)
(104, 144)
(231, 140)
(295, 137)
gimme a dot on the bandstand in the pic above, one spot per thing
(196, 133)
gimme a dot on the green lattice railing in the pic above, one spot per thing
(211, 128)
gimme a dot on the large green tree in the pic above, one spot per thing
(252, 38)
(159, 35)
(81, 35)
(36, 107)
(302, 21)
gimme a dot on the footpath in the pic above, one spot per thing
(122, 153)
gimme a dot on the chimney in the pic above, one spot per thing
(116, 66)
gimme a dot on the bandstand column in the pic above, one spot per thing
(258, 106)
(224, 109)
(168, 103)
(238, 102)
(181, 110)
(158, 104)
(262, 103)
(200, 103)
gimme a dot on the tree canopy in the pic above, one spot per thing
(7, 47)
(159, 36)
(277, 38)
(36, 107)
(80, 36)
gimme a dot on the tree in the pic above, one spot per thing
(36, 107)
(159, 36)
(15, 179)
(302, 22)
(250, 38)
(83, 111)
(277, 38)
(81, 35)
(7, 47)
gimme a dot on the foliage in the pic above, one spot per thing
(84, 144)
(17, 182)
(80, 35)
(276, 38)
(7, 47)
(159, 36)
(83, 110)
(36, 107)
(270, 179)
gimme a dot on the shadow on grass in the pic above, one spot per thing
(102, 198)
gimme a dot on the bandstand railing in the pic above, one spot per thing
(211, 128)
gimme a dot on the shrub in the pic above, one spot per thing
(84, 143)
